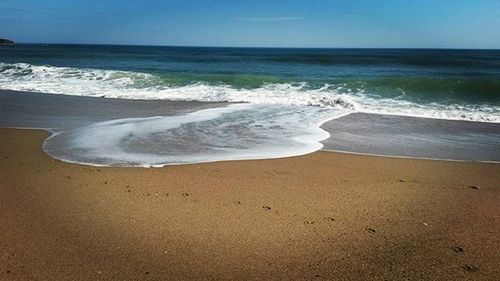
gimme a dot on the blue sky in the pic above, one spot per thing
(265, 23)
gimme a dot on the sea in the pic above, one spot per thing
(153, 106)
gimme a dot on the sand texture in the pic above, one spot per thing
(322, 216)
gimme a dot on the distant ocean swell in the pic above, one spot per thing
(445, 98)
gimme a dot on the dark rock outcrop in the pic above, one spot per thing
(6, 42)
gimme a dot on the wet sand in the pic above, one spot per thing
(355, 133)
(322, 216)
(41, 110)
(415, 137)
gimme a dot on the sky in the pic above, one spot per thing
(256, 23)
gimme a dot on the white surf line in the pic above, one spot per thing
(311, 142)
(53, 132)
(56, 80)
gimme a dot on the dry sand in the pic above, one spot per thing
(323, 216)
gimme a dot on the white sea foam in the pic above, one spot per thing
(134, 85)
(238, 131)
(276, 120)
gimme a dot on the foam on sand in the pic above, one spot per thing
(239, 131)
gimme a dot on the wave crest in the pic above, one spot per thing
(137, 85)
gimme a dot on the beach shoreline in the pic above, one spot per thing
(319, 216)
(351, 132)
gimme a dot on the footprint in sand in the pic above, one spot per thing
(470, 268)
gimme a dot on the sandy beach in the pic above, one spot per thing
(322, 216)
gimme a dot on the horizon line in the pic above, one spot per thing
(252, 47)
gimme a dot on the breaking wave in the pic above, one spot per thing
(421, 97)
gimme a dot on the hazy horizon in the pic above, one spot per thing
(252, 47)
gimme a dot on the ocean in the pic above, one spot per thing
(264, 103)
